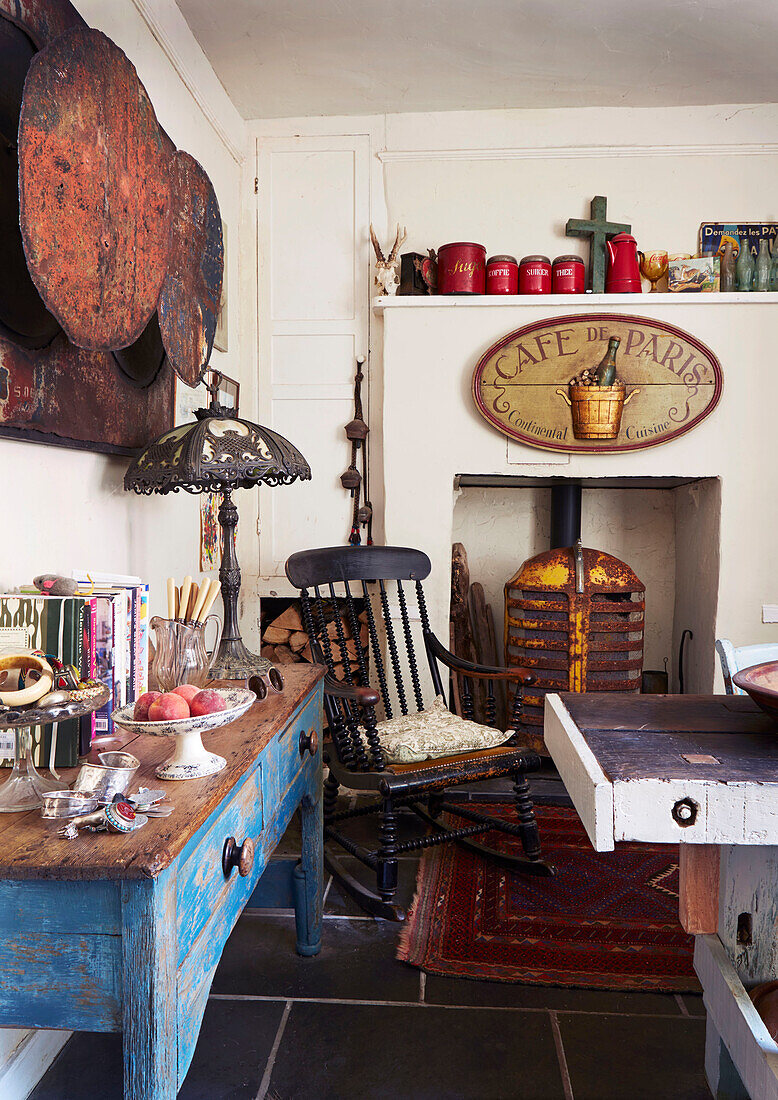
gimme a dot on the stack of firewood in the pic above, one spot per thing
(285, 641)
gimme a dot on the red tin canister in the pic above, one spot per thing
(568, 275)
(502, 275)
(535, 275)
(462, 268)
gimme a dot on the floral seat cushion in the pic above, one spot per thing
(434, 732)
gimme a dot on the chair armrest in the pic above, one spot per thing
(365, 696)
(479, 672)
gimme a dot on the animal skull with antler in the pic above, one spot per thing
(387, 276)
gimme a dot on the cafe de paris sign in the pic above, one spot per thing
(528, 386)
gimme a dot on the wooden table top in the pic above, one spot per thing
(29, 848)
(652, 736)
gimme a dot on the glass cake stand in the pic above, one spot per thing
(25, 786)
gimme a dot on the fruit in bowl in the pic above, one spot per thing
(207, 702)
(142, 704)
(187, 691)
(184, 701)
(168, 707)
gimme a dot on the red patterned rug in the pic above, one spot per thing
(604, 921)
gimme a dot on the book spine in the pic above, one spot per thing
(134, 643)
(84, 631)
(128, 645)
(103, 670)
(144, 641)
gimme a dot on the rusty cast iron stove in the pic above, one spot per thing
(573, 615)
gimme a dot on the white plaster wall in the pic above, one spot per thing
(511, 179)
(70, 509)
(501, 528)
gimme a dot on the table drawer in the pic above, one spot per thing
(287, 758)
(202, 887)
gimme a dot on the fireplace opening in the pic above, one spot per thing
(648, 559)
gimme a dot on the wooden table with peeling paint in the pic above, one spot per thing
(700, 771)
(124, 933)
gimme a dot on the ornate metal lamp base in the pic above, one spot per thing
(235, 662)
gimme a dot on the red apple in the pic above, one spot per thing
(207, 702)
(168, 708)
(142, 704)
(186, 691)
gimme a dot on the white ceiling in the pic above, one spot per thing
(280, 58)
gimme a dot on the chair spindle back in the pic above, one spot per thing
(332, 609)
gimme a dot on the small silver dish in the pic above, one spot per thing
(111, 776)
(60, 804)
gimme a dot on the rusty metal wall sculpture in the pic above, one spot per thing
(101, 266)
(23, 316)
(59, 393)
(77, 398)
(94, 190)
(43, 20)
(189, 303)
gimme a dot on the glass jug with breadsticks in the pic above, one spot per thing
(181, 655)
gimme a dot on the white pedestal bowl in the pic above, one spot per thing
(190, 759)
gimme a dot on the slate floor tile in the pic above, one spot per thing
(357, 961)
(694, 1004)
(341, 903)
(228, 1064)
(340, 1052)
(460, 991)
(634, 1058)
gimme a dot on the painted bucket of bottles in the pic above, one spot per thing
(597, 410)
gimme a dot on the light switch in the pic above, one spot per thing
(770, 613)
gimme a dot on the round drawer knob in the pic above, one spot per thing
(309, 742)
(238, 855)
(684, 812)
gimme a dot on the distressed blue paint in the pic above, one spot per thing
(64, 907)
(309, 876)
(285, 761)
(60, 981)
(139, 955)
(149, 1011)
(202, 886)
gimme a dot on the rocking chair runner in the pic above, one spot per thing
(337, 578)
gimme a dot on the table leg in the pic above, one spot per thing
(698, 888)
(149, 1003)
(723, 1078)
(748, 938)
(309, 872)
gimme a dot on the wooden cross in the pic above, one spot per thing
(599, 230)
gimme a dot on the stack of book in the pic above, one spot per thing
(103, 632)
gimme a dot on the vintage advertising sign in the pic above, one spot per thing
(527, 384)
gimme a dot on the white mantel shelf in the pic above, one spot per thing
(517, 301)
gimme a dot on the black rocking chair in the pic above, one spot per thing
(334, 582)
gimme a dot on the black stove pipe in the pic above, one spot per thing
(565, 514)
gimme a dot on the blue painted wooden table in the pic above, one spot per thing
(113, 933)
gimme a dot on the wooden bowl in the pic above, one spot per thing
(761, 683)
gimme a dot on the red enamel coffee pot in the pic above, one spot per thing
(623, 271)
